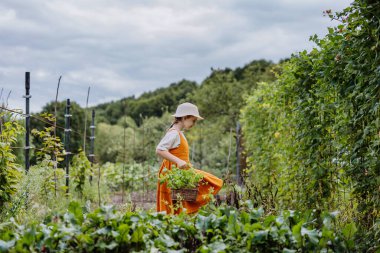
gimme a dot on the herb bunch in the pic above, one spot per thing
(180, 179)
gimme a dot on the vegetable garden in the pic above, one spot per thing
(309, 160)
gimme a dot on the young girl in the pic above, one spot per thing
(174, 149)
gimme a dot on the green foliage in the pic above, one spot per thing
(312, 141)
(212, 148)
(35, 195)
(269, 136)
(10, 129)
(224, 90)
(149, 104)
(81, 170)
(219, 99)
(342, 79)
(140, 142)
(225, 230)
(127, 122)
(49, 156)
(38, 191)
(313, 136)
(113, 175)
(33, 200)
(180, 179)
(76, 123)
(354, 47)
(108, 142)
(132, 175)
(51, 146)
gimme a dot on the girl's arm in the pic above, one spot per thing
(166, 155)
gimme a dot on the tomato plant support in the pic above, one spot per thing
(27, 120)
(67, 143)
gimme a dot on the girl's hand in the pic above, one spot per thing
(183, 165)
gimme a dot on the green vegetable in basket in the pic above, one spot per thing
(180, 179)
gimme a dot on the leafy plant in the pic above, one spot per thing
(49, 155)
(180, 178)
(313, 135)
(9, 172)
(76, 123)
(134, 175)
(81, 167)
(224, 230)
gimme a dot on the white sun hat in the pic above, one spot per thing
(186, 109)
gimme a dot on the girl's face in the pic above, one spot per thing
(189, 122)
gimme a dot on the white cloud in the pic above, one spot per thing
(124, 47)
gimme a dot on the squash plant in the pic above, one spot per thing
(180, 179)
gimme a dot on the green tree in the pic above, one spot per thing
(221, 95)
(149, 104)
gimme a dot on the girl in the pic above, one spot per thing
(174, 149)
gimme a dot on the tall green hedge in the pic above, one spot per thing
(314, 135)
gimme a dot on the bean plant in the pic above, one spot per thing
(10, 172)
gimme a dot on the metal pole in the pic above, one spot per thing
(124, 161)
(27, 120)
(9, 94)
(147, 183)
(132, 172)
(143, 183)
(92, 138)
(85, 123)
(55, 135)
(238, 129)
(91, 155)
(192, 152)
(124, 150)
(143, 141)
(67, 142)
(200, 148)
(55, 107)
(229, 152)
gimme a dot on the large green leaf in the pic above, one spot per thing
(137, 235)
(311, 234)
(6, 246)
(233, 227)
(76, 209)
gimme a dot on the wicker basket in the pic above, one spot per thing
(185, 194)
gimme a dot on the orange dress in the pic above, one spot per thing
(164, 200)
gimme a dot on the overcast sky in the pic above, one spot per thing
(122, 48)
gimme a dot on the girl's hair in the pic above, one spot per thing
(178, 119)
